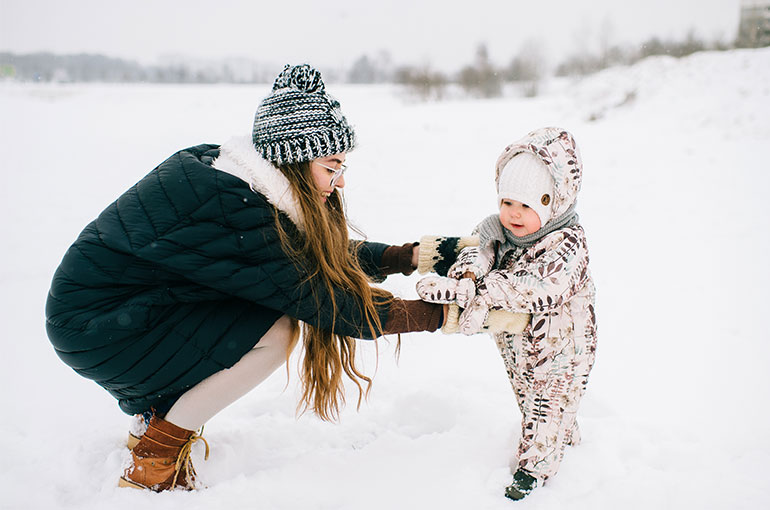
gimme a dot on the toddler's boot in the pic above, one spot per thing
(523, 484)
(161, 458)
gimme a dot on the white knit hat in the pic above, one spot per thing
(526, 179)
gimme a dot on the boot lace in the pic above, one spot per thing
(184, 460)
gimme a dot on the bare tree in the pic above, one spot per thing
(481, 78)
(528, 67)
(422, 81)
(362, 71)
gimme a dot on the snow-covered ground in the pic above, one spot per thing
(675, 206)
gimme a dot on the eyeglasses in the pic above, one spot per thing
(338, 172)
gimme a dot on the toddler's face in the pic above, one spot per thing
(519, 218)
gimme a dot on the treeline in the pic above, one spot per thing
(480, 78)
(47, 67)
(618, 55)
(528, 67)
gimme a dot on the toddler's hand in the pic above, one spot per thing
(473, 317)
(465, 291)
(442, 290)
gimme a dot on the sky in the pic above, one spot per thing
(441, 34)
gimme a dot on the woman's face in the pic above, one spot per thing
(324, 171)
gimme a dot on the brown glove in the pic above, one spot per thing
(405, 316)
(398, 259)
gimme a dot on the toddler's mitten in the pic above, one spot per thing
(471, 260)
(439, 289)
(473, 317)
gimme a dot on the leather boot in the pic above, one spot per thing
(161, 458)
(132, 441)
(137, 428)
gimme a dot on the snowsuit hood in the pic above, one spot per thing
(557, 149)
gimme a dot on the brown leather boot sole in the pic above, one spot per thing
(126, 483)
(155, 474)
(122, 482)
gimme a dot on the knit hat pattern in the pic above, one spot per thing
(557, 149)
(298, 121)
(526, 179)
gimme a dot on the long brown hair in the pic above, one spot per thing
(324, 252)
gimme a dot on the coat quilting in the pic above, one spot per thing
(180, 277)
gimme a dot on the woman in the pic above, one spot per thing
(189, 290)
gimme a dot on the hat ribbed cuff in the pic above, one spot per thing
(306, 148)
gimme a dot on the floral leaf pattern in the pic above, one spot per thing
(474, 260)
(548, 364)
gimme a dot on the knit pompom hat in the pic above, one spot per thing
(526, 179)
(298, 121)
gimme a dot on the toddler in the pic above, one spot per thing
(532, 259)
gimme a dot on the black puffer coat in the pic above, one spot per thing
(178, 279)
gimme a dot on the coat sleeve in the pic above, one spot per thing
(544, 278)
(269, 278)
(380, 260)
(244, 259)
(369, 255)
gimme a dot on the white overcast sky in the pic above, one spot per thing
(334, 33)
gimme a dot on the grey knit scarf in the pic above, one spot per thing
(491, 230)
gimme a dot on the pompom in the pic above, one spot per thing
(302, 77)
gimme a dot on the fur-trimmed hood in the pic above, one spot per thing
(238, 157)
(557, 149)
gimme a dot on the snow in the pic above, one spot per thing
(675, 207)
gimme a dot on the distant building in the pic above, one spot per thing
(754, 27)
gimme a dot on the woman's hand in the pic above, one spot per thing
(416, 255)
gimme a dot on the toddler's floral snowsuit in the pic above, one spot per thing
(549, 362)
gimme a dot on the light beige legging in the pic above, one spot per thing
(198, 404)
